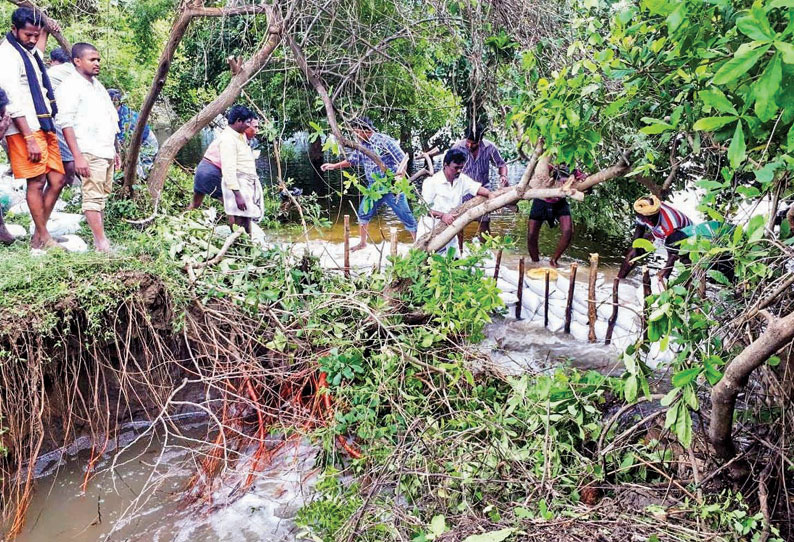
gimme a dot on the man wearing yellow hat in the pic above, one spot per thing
(660, 222)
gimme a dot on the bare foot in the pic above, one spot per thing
(102, 246)
(5, 236)
(41, 242)
(553, 264)
(358, 247)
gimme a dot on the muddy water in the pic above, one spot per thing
(136, 496)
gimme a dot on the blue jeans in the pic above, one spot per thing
(398, 204)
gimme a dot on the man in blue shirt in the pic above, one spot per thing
(389, 151)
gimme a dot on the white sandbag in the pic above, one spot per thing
(508, 298)
(578, 331)
(257, 235)
(505, 286)
(62, 224)
(555, 324)
(74, 243)
(601, 330)
(531, 300)
(17, 231)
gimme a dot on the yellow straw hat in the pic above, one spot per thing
(539, 273)
(647, 205)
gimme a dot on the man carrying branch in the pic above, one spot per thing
(445, 191)
(390, 153)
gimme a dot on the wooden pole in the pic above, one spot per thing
(520, 288)
(393, 241)
(613, 318)
(347, 245)
(646, 290)
(591, 297)
(546, 303)
(498, 263)
(569, 305)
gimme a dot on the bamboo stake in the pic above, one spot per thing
(613, 318)
(498, 263)
(569, 304)
(347, 245)
(520, 288)
(546, 303)
(393, 241)
(591, 297)
(646, 289)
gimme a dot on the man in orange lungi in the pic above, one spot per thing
(32, 142)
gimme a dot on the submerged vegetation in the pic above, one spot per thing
(422, 437)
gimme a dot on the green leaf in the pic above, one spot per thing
(677, 17)
(682, 378)
(656, 128)
(774, 361)
(709, 124)
(786, 50)
(755, 25)
(779, 4)
(493, 536)
(683, 426)
(745, 58)
(790, 139)
(643, 244)
(716, 99)
(755, 228)
(719, 276)
(766, 87)
(630, 389)
(737, 149)
(438, 525)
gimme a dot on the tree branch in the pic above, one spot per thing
(330, 112)
(779, 332)
(248, 69)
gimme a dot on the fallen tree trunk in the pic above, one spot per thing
(246, 71)
(479, 206)
(178, 29)
(779, 332)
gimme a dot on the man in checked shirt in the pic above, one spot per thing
(389, 151)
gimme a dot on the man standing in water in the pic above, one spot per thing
(661, 222)
(242, 191)
(89, 123)
(482, 153)
(551, 210)
(446, 190)
(389, 151)
(32, 142)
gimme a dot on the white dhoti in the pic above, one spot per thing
(251, 191)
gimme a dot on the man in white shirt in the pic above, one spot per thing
(60, 68)
(90, 124)
(444, 191)
(32, 143)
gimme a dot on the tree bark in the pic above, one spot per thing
(779, 332)
(186, 15)
(248, 69)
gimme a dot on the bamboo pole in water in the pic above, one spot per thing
(520, 288)
(546, 303)
(393, 241)
(569, 304)
(591, 297)
(613, 318)
(498, 263)
(347, 245)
